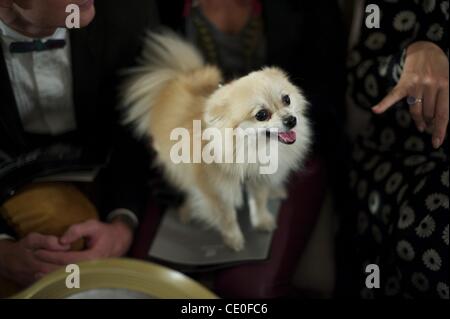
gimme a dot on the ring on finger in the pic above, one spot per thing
(411, 100)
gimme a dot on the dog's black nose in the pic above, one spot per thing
(290, 121)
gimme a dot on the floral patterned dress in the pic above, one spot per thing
(399, 183)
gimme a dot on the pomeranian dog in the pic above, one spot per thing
(173, 90)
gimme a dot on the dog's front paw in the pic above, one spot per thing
(234, 240)
(265, 222)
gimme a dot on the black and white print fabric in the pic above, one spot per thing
(399, 183)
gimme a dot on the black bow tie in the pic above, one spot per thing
(36, 46)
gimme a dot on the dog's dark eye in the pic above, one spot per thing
(262, 115)
(286, 99)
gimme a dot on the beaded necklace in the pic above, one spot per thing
(249, 37)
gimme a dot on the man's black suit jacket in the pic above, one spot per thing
(112, 42)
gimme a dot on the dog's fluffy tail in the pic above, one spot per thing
(165, 56)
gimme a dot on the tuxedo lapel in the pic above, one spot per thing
(86, 56)
(11, 129)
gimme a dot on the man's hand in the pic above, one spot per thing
(425, 77)
(103, 241)
(18, 261)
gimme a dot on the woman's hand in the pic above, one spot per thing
(425, 77)
(103, 240)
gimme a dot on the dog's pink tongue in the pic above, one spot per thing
(288, 137)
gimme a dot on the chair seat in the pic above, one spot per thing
(273, 277)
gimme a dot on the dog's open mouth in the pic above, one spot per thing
(285, 137)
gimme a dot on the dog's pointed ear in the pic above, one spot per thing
(274, 71)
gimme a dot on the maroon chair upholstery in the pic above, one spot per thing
(146, 231)
(298, 215)
(271, 278)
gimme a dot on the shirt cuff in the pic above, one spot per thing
(123, 212)
(6, 237)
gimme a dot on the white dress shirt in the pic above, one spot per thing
(42, 84)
